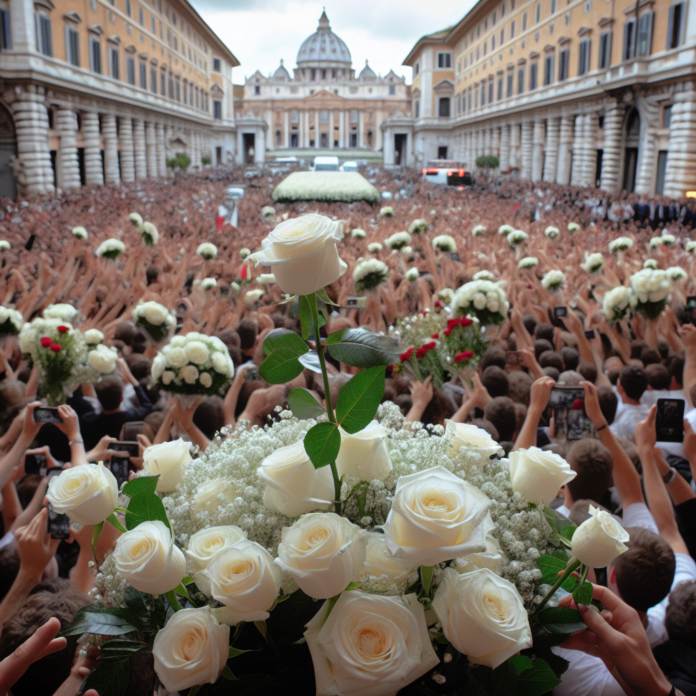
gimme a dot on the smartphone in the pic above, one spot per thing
(252, 375)
(55, 471)
(130, 431)
(356, 302)
(560, 312)
(691, 302)
(47, 414)
(58, 524)
(34, 463)
(669, 424)
(514, 357)
(120, 468)
(30, 242)
(133, 448)
(590, 334)
(577, 425)
(454, 256)
(566, 397)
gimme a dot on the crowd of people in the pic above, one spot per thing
(644, 642)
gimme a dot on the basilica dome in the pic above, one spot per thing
(323, 48)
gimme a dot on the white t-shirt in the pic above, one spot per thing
(638, 515)
(625, 423)
(585, 676)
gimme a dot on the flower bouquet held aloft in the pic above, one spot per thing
(616, 303)
(111, 249)
(650, 292)
(398, 240)
(553, 281)
(156, 319)
(445, 243)
(369, 274)
(11, 321)
(482, 299)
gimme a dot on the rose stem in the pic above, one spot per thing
(173, 601)
(573, 563)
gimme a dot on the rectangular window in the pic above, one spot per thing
(666, 116)
(113, 61)
(416, 68)
(629, 46)
(548, 70)
(444, 60)
(354, 116)
(510, 84)
(553, 6)
(178, 90)
(563, 59)
(417, 110)
(533, 76)
(216, 65)
(257, 89)
(217, 110)
(5, 34)
(444, 107)
(490, 92)
(44, 39)
(324, 116)
(293, 116)
(520, 81)
(72, 46)
(163, 84)
(524, 22)
(143, 75)
(584, 57)
(483, 95)
(141, 16)
(645, 30)
(128, 7)
(95, 55)
(502, 36)
(604, 50)
(492, 43)
(537, 15)
(512, 30)
(392, 89)
(153, 80)
(500, 88)
(675, 25)
(130, 70)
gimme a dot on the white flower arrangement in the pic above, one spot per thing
(553, 280)
(418, 226)
(398, 240)
(369, 274)
(136, 219)
(11, 321)
(620, 244)
(149, 234)
(482, 299)
(110, 249)
(5, 245)
(357, 233)
(484, 275)
(193, 364)
(445, 243)
(650, 263)
(412, 274)
(268, 211)
(408, 253)
(552, 232)
(669, 239)
(374, 247)
(386, 211)
(616, 303)
(651, 289)
(235, 287)
(80, 232)
(102, 361)
(446, 295)
(517, 237)
(61, 312)
(690, 246)
(343, 187)
(207, 250)
(252, 297)
(593, 263)
(156, 319)
(208, 283)
(93, 337)
(505, 230)
(478, 230)
(243, 253)
(677, 273)
(656, 242)
(573, 227)
(266, 279)
(528, 262)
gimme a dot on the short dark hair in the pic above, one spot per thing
(530, 323)
(541, 345)
(637, 348)
(520, 387)
(140, 366)
(495, 380)
(209, 417)
(109, 392)
(552, 372)
(645, 572)
(680, 620)
(571, 358)
(247, 330)
(649, 356)
(438, 410)
(676, 369)
(658, 377)
(125, 331)
(493, 356)
(633, 380)
(550, 358)
(544, 331)
(588, 371)
(593, 464)
(151, 274)
(9, 567)
(608, 403)
(229, 337)
(501, 412)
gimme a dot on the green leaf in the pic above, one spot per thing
(305, 314)
(145, 485)
(324, 296)
(359, 399)
(362, 348)
(281, 366)
(550, 567)
(110, 678)
(504, 680)
(561, 620)
(284, 339)
(261, 627)
(145, 507)
(116, 523)
(96, 533)
(567, 532)
(426, 573)
(227, 674)
(537, 680)
(582, 594)
(520, 662)
(322, 443)
(104, 621)
(303, 405)
(234, 652)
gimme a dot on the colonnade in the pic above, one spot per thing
(339, 127)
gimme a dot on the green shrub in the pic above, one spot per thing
(487, 162)
(180, 160)
(206, 159)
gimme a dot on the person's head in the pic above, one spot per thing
(632, 383)
(649, 356)
(612, 368)
(151, 274)
(501, 413)
(680, 620)
(139, 366)
(552, 372)
(593, 464)
(550, 358)
(570, 378)
(658, 377)
(643, 575)
(209, 417)
(637, 348)
(487, 426)
(520, 387)
(588, 371)
(230, 338)
(541, 345)
(571, 358)
(11, 402)
(608, 403)
(9, 567)
(676, 372)
(26, 488)
(438, 410)
(125, 331)
(404, 402)
(544, 331)
(493, 356)
(530, 323)
(495, 380)
(110, 393)
(247, 330)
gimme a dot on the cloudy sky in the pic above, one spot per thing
(261, 32)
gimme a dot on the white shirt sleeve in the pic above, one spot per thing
(638, 515)
(585, 676)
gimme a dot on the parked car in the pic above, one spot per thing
(349, 167)
(447, 172)
(325, 163)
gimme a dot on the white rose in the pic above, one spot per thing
(148, 559)
(482, 615)
(436, 517)
(244, 578)
(167, 377)
(213, 494)
(220, 364)
(192, 649)
(323, 553)
(538, 475)
(189, 374)
(87, 493)
(178, 342)
(472, 437)
(293, 486)
(177, 357)
(364, 454)
(303, 253)
(491, 558)
(93, 337)
(206, 380)
(480, 300)
(197, 352)
(102, 359)
(205, 544)
(158, 364)
(168, 461)
(379, 562)
(155, 313)
(369, 645)
(599, 539)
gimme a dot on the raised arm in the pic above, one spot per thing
(538, 399)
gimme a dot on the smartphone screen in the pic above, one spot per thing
(46, 414)
(560, 312)
(130, 431)
(58, 524)
(670, 420)
(589, 335)
(514, 357)
(120, 468)
(356, 302)
(34, 463)
(133, 448)
(567, 397)
(691, 302)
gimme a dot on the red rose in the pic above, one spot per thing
(447, 332)
(420, 353)
(451, 323)
(577, 404)
(429, 346)
(425, 312)
(243, 272)
(390, 369)
(435, 335)
(438, 303)
(56, 348)
(63, 329)
(407, 355)
(46, 342)
(465, 321)
(463, 357)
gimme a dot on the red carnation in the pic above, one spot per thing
(425, 312)
(438, 303)
(46, 342)
(463, 357)
(429, 346)
(465, 321)
(243, 272)
(447, 332)
(451, 323)
(56, 348)
(63, 329)
(435, 335)
(577, 404)
(420, 353)
(407, 355)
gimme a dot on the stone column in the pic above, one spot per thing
(487, 141)
(361, 128)
(578, 146)
(162, 150)
(681, 158)
(111, 171)
(526, 148)
(565, 150)
(331, 129)
(646, 163)
(495, 145)
(611, 158)
(307, 129)
(68, 174)
(151, 142)
(94, 169)
(515, 145)
(286, 129)
(553, 127)
(317, 138)
(538, 150)
(505, 147)
(139, 148)
(590, 150)
(125, 136)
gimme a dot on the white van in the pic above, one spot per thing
(325, 164)
(349, 167)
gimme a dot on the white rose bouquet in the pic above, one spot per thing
(650, 263)
(386, 211)
(149, 234)
(505, 230)
(690, 246)
(110, 249)
(620, 244)
(676, 273)
(553, 280)
(669, 239)
(207, 250)
(369, 274)
(357, 233)
(374, 247)
(136, 220)
(60, 312)
(408, 253)
(478, 230)
(253, 296)
(5, 245)
(650, 292)
(418, 226)
(482, 299)
(616, 303)
(80, 232)
(208, 283)
(398, 240)
(551, 232)
(656, 242)
(445, 243)
(593, 263)
(573, 227)
(268, 211)
(484, 275)
(193, 364)
(102, 361)
(156, 319)
(11, 321)
(412, 274)
(528, 262)
(517, 237)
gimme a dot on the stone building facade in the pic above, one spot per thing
(578, 92)
(324, 104)
(103, 91)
